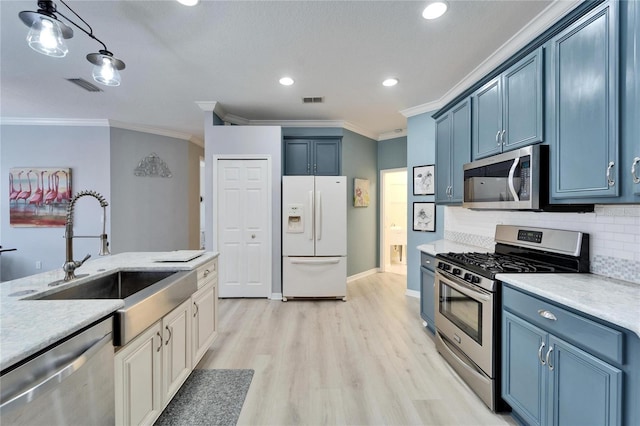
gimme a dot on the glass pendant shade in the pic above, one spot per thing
(45, 37)
(106, 73)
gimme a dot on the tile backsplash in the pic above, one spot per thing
(614, 233)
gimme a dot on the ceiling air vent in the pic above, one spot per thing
(85, 84)
(313, 100)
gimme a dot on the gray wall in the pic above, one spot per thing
(245, 141)
(392, 153)
(421, 135)
(86, 151)
(153, 213)
(360, 160)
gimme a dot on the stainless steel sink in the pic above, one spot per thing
(148, 296)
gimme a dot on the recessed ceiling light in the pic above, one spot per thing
(390, 82)
(286, 81)
(188, 2)
(434, 10)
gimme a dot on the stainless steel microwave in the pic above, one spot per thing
(510, 181)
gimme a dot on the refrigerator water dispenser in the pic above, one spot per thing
(295, 224)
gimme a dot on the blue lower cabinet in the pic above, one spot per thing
(549, 381)
(427, 297)
(583, 389)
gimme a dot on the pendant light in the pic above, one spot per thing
(106, 69)
(47, 33)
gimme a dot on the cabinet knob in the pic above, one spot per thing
(206, 272)
(253, 236)
(636, 179)
(610, 181)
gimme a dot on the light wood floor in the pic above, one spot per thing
(367, 361)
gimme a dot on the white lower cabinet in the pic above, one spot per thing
(203, 312)
(138, 379)
(150, 369)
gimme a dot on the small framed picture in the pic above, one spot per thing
(423, 180)
(424, 217)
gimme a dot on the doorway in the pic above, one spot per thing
(393, 223)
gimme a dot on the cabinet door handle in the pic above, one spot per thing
(547, 358)
(308, 168)
(636, 179)
(160, 336)
(610, 181)
(498, 138)
(546, 314)
(540, 349)
(196, 312)
(315, 169)
(502, 137)
(169, 330)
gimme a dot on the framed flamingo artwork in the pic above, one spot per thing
(39, 196)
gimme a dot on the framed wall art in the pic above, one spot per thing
(423, 180)
(424, 217)
(39, 196)
(361, 192)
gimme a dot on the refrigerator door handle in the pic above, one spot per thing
(311, 216)
(319, 216)
(314, 261)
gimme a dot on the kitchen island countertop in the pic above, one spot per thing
(28, 326)
(608, 299)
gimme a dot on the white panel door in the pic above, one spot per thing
(331, 215)
(243, 228)
(298, 234)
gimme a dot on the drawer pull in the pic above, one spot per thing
(206, 272)
(546, 314)
(540, 349)
(547, 357)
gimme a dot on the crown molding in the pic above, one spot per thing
(157, 131)
(27, 121)
(543, 21)
(392, 135)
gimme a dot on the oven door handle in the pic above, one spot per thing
(466, 289)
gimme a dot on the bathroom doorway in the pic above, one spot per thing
(393, 223)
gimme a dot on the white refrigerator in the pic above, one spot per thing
(314, 237)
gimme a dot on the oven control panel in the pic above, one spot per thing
(530, 236)
(462, 274)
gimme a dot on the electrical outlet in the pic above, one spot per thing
(38, 264)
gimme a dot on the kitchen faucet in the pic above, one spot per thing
(70, 265)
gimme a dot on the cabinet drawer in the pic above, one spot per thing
(591, 336)
(428, 261)
(207, 272)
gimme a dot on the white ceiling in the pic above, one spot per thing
(234, 52)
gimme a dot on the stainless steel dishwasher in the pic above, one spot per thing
(71, 383)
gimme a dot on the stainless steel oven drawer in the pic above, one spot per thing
(582, 332)
(428, 261)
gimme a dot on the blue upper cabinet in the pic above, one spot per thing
(453, 150)
(321, 157)
(583, 108)
(630, 101)
(507, 111)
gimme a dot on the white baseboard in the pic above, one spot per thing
(412, 293)
(363, 274)
(276, 296)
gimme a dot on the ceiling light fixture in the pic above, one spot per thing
(47, 34)
(286, 81)
(390, 82)
(188, 2)
(434, 10)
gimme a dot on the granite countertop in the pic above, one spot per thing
(611, 300)
(28, 326)
(446, 246)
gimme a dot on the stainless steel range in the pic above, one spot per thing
(468, 297)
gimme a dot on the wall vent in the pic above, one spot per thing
(85, 84)
(313, 100)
